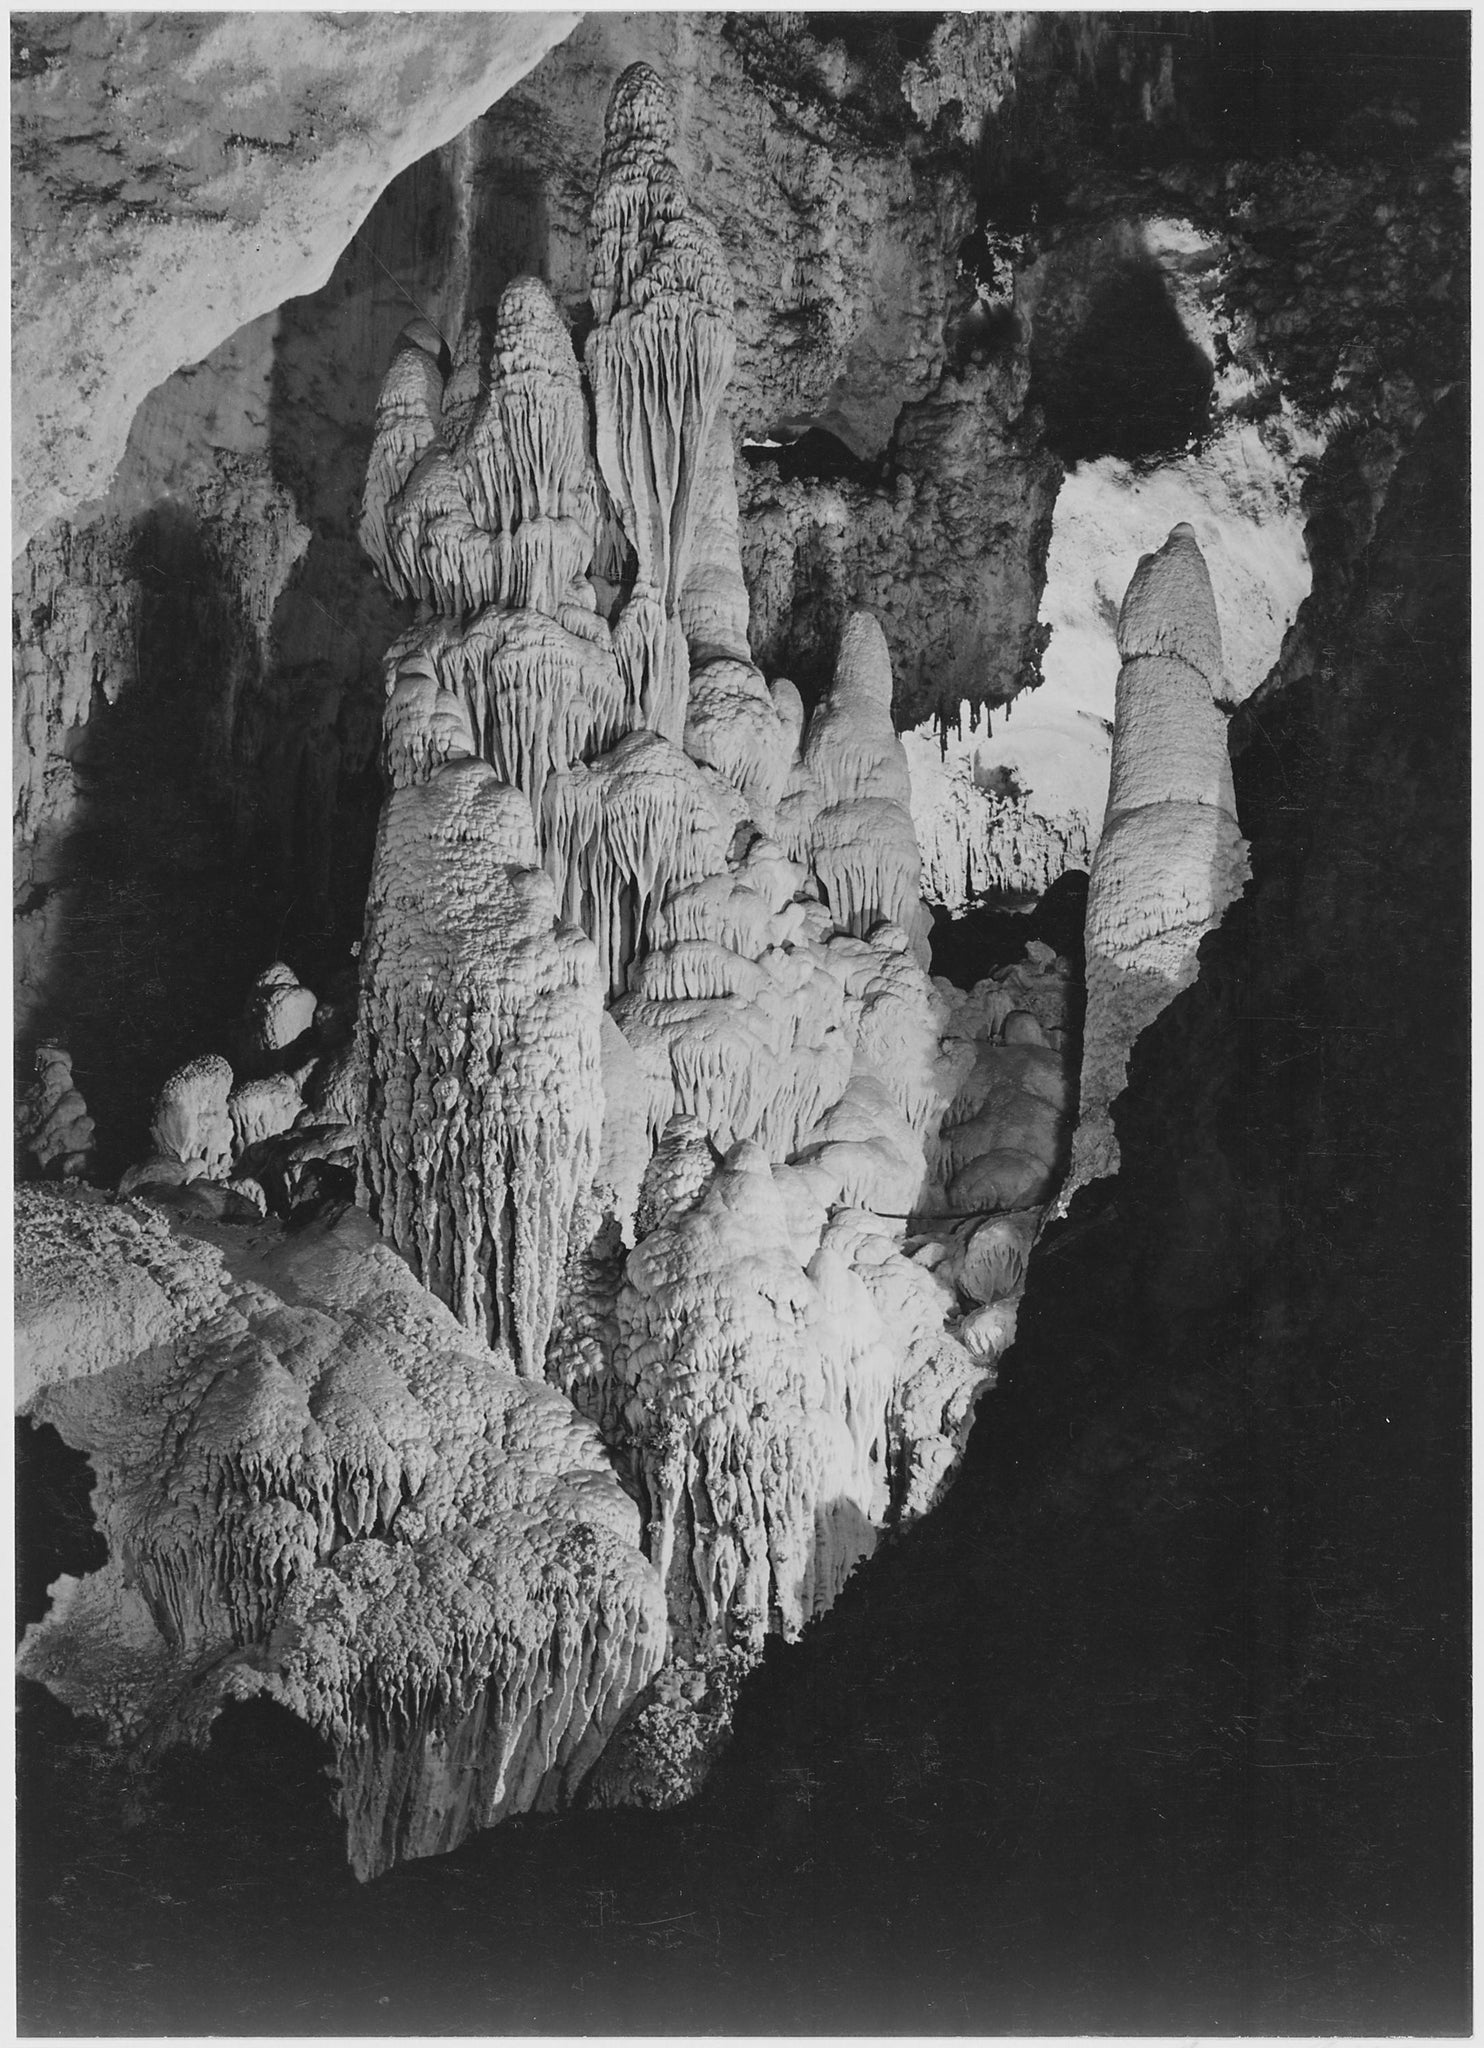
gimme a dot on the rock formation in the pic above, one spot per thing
(579, 679)
(52, 1121)
(658, 357)
(479, 1034)
(638, 1059)
(647, 1083)
(358, 1512)
(1171, 858)
(249, 161)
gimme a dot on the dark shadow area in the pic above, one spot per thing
(512, 232)
(882, 35)
(806, 650)
(988, 936)
(813, 456)
(309, 730)
(174, 908)
(1161, 88)
(1376, 86)
(55, 1530)
(1127, 380)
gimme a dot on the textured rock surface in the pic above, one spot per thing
(359, 1511)
(767, 1002)
(1171, 858)
(52, 1121)
(479, 1032)
(179, 177)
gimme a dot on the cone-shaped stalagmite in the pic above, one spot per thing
(1172, 857)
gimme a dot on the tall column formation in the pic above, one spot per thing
(479, 1027)
(658, 359)
(1172, 856)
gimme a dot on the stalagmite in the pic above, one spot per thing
(423, 724)
(848, 805)
(191, 1122)
(756, 1394)
(52, 1120)
(479, 1023)
(262, 1109)
(278, 1012)
(732, 724)
(658, 358)
(713, 600)
(527, 448)
(712, 1219)
(1172, 857)
(407, 426)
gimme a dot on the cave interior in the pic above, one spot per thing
(740, 1209)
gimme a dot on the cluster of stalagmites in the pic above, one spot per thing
(662, 1098)
(726, 1201)
(269, 1129)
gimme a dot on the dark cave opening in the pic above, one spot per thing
(175, 908)
(54, 1527)
(987, 936)
(876, 36)
(1128, 381)
(814, 455)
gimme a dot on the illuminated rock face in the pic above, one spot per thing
(658, 359)
(479, 1033)
(751, 883)
(360, 1513)
(1172, 857)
